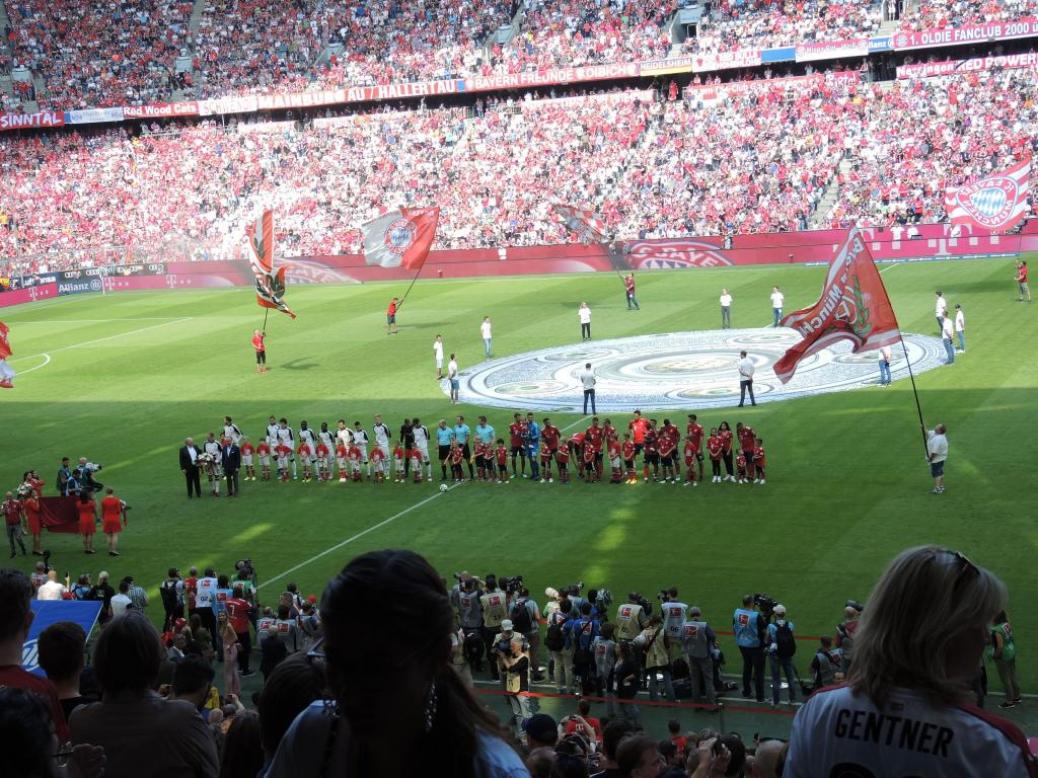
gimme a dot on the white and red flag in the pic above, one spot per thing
(270, 285)
(401, 238)
(6, 373)
(585, 223)
(997, 202)
(854, 306)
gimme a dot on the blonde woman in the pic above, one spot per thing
(907, 706)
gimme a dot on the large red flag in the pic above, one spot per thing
(270, 285)
(401, 238)
(997, 202)
(854, 306)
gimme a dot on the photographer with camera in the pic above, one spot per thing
(674, 614)
(655, 647)
(495, 611)
(557, 642)
(513, 665)
(84, 476)
(525, 615)
(632, 616)
(699, 644)
(466, 598)
(748, 626)
(782, 646)
(846, 630)
(583, 631)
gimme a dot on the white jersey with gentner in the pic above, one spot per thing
(327, 439)
(231, 432)
(421, 439)
(272, 434)
(381, 432)
(909, 736)
(286, 436)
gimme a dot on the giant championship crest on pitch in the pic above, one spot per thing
(995, 203)
(854, 306)
(270, 284)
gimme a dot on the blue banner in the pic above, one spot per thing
(788, 54)
(880, 44)
(47, 612)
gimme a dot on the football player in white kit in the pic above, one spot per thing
(306, 435)
(381, 432)
(421, 444)
(231, 431)
(213, 470)
(286, 436)
(360, 440)
(272, 432)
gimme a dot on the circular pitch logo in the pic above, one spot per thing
(678, 371)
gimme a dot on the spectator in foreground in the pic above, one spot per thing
(143, 735)
(26, 727)
(15, 618)
(397, 702)
(61, 649)
(242, 749)
(291, 687)
(916, 654)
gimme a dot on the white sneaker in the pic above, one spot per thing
(685, 484)
(551, 480)
(756, 480)
(762, 482)
(695, 483)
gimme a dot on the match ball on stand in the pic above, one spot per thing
(443, 487)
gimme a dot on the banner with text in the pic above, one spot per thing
(29, 295)
(955, 67)
(726, 60)
(31, 121)
(819, 50)
(970, 33)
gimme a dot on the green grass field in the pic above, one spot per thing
(130, 375)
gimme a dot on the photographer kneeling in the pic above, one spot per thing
(84, 476)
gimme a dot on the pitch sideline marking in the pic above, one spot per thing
(118, 335)
(359, 535)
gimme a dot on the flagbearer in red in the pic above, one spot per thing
(258, 344)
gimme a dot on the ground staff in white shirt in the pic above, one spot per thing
(746, 368)
(777, 299)
(908, 706)
(960, 327)
(726, 310)
(937, 453)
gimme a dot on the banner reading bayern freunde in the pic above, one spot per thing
(854, 306)
(401, 238)
(997, 202)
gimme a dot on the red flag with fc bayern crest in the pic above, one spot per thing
(401, 238)
(997, 202)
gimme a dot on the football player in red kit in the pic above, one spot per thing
(668, 444)
(628, 451)
(517, 440)
(594, 438)
(725, 432)
(501, 455)
(263, 453)
(590, 455)
(715, 448)
(576, 450)
(690, 463)
(550, 436)
(747, 442)
(652, 453)
(759, 461)
(546, 457)
(609, 430)
(694, 433)
(615, 462)
(562, 459)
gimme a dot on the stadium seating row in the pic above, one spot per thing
(750, 157)
(125, 52)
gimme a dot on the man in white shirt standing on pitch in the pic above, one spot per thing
(587, 378)
(960, 328)
(452, 376)
(940, 311)
(777, 298)
(438, 354)
(746, 369)
(726, 310)
(947, 334)
(485, 333)
(584, 314)
(937, 453)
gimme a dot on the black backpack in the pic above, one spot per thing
(785, 643)
(168, 593)
(520, 616)
(555, 640)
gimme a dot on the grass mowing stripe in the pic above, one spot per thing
(358, 536)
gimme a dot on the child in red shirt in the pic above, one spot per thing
(457, 456)
(341, 454)
(628, 451)
(247, 452)
(378, 464)
(398, 464)
(501, 454)
(354, 455)
(615, 463)
(715, 447)
(546, 464)
(690, 463)
(758, 460)
(283, 452)
(323, 471)
(305, 453)
(263, 453)
(562, 459)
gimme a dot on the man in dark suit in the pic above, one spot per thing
(189, 454)
(230, 458)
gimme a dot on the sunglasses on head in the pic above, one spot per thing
(966, 568)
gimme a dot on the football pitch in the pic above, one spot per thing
(122, 379)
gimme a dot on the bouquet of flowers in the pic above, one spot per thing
(209, 463)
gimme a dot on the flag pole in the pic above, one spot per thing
(266, 313)
(915, 393)
(409, 288)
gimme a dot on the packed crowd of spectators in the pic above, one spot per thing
(742, 157)
(119, 52)
(899, 170)
(938, 14)
(763, 24)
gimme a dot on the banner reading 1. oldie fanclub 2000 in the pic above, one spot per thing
(969, 33)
